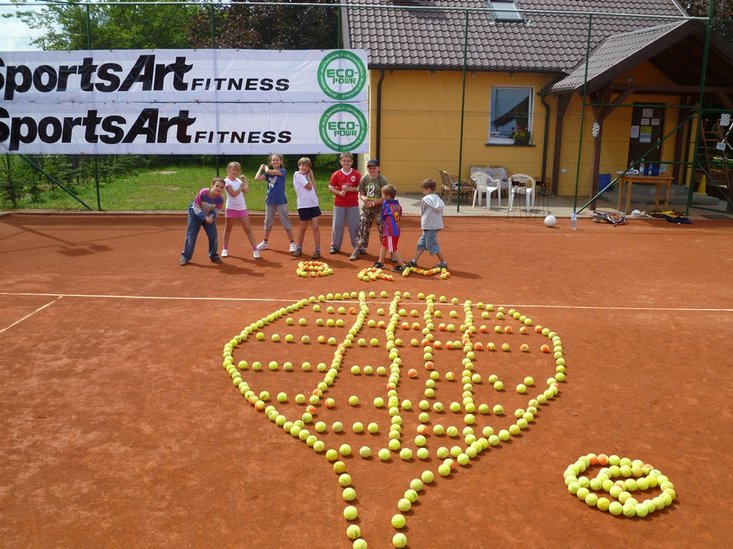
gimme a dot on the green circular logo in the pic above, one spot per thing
(342, 75)
(343, 127)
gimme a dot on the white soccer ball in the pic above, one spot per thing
(550, 221)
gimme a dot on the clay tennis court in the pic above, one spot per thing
(120, 428)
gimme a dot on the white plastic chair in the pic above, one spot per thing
(485, 184)
(522, 184)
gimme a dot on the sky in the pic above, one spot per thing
(14, 35)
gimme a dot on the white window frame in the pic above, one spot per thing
(504, 138)
(507, 10)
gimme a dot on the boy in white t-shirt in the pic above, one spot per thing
(236, 208)
(308, 208)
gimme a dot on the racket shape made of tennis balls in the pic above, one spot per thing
(390, 379)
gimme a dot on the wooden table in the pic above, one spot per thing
(628, 180)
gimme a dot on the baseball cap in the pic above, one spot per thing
(373, 162)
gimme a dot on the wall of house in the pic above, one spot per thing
(421, 125)
(616, 134)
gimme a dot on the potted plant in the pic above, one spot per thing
(521, 136)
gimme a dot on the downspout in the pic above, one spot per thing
(378, 137)
(546, 133)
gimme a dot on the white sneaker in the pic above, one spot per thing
(225, 253)
(256, 254)
(293, 247)
(262, 245)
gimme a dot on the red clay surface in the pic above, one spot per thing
(120, 427)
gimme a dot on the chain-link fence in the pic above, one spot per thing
(578, 100)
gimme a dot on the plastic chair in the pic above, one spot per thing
(522, 184)
(485, 184)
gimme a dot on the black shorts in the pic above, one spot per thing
(306, 214)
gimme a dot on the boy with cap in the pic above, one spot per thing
(370, 196)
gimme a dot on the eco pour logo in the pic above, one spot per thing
(342, 75)
(343, 127)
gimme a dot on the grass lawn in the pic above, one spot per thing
(167, 188)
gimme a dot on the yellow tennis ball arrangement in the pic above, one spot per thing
(313, 269)
(441, 401)
(442, 273)
(617, 484)
(370, 274)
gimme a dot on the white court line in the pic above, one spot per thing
(34, 312)
(271, 300)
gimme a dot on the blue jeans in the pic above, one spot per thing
(192, 232)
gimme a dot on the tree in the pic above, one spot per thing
(722, 15)
(74, 26)
(274, 26)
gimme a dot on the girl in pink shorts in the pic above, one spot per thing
(236, 208)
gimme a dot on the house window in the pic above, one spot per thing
(505, 10)
(510, 112)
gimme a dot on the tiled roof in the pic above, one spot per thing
(617, 55)
(552, 37)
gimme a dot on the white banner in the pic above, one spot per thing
(135, 76)
(184, 128)
(184, 102)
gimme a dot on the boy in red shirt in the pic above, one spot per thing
(344, 185)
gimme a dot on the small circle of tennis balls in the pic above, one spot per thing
(399, 540)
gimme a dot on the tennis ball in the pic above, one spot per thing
(344, 478)
(444, 469)
(349, 494)
(404, 505)
(353, 531)
(498, 385)
(399, 540)
(398, 521)
(365, 452)
(350, 512)
(384, 454)
(345, 450)
(373, 428)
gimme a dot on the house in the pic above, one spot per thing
(587, 87)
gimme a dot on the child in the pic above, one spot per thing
(344, 185)
(202, 213)
(236, 208)
(391, 214)
(275, 202)
(308, 210)
(431, 221)
(370, 195)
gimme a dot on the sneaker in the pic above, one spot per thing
(297, 251)
(399, 268)
(442, 265)
(183, 262)
(262, 245)
(256, 254)
(354, 256)
(333, 250)
(216, 259)
(225, 253)
(378, 265)
(316, 255)
(412, 263)
(293, 247)
(361, 251)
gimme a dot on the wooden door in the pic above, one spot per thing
(647, 126)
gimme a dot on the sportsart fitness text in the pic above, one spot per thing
(117, 98)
